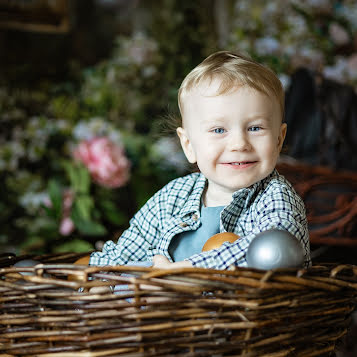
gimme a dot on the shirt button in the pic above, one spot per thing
(195, 217)
(183, 224)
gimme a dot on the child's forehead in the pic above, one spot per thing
(214, 88)
(197, 102)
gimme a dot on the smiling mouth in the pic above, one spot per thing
(241, 163)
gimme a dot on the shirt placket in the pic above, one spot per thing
(176, 226)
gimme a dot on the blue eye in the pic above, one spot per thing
(219, 130)
(254, 128)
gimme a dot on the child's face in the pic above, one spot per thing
(234, 138)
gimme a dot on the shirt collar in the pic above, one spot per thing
(250, 192)
(193, 204)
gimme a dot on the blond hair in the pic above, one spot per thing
(233, 70)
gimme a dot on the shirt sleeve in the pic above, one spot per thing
(280, 209)
(136, 241)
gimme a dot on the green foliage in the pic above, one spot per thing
(55, 194)
(79, 178)
(83, 222)
(75, 245)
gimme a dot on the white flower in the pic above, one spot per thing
(17, 148)
(170, 154)
(267, 46)
(314, 4)
(241, 6)
(83, 131)
(338, 71)
(62, 124)
(313, 54)
(272, 8)
(344, 70)
(139, 49)
(10, 154)
(96, 127)
(285, 80)
(297, 25)
(32, 201)
(307, 57)
(348, 11)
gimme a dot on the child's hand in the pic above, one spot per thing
(161, 262)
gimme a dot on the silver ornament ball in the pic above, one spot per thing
(273, 249)
(26, 263)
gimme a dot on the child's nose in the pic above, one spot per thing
(239, 142)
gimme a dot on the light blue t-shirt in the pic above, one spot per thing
(189, 243)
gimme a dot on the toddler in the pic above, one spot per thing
(232, 128)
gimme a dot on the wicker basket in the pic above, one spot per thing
(330, 198)
(183, 312)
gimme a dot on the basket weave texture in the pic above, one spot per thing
(68, 310)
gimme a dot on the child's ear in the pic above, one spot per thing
(186, 145)
(282, 135)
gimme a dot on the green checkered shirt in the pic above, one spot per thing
(269, 203)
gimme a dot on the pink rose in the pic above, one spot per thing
(105, 161)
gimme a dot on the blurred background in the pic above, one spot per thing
(87, 85)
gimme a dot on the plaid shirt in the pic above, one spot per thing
(269, 203)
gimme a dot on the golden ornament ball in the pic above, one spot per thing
(218, 239)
